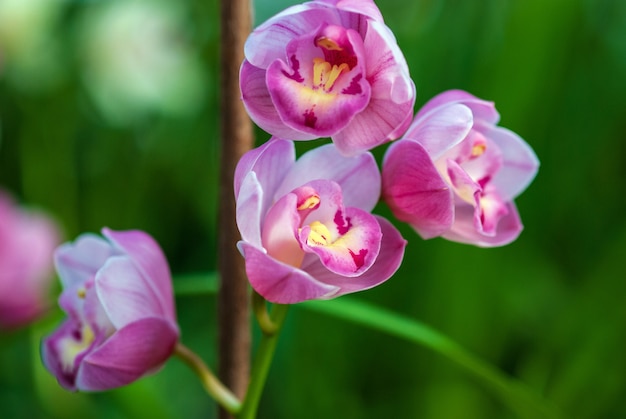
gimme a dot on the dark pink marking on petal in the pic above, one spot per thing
(309, 118)
(358, 258)
(343, 224)
(355, 87)
(483, 182)
(295, 66)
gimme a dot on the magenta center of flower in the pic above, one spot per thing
(337, 60)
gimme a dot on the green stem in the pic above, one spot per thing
(212, 385)
(262, 363)
(513, 393)
(259, 306)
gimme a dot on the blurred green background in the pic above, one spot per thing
(104, 122)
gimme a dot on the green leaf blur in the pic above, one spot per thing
(547, 309)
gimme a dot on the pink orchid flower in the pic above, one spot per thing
(455, 173)
(328, 69)
(306, 228)
(121, 324)
(27, 242)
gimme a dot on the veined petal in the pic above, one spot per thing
(386, 65)
(356, 248)
(358, 176)
(442, 129)
(130, 353)
(387, 263)
(390, 109)
(415, 191)
(519, 163)
(258, 102)
(126, 294)
(267, 42)
(362, 7)
(79, 261)
(463, 231)
(281, 283)
(150, 261)
(482, 110)
(270, 162)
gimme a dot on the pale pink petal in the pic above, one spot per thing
(464, 231)
(390, 109)
(387, 263)
(249, 207)
(481, 109)
(280, 283)
(280, 230)
(442, 129)
(126, 294)
(363, 7)
(270, 161)
(414, 190)
(519, 163)
(147, 255)
(462, 184)
(267, 42)
(129, 354)
(258, 102)
(358, 176)
(79, 261)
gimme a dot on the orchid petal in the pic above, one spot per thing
(132, 351)
(481, 109)
(355, 250)
(415, 191)
(150, 261)
(249, 209)
(519, 163)
(362, 7)
(270, 162)
(126, 295)
(463, 231)
(78, 261)
(463, 185)
(279, 232)
(267, 42)
(390, 109)
(280, 283)
(357, 176)
(442, 129)
(258, 103)
(320, 104)
(387, 263)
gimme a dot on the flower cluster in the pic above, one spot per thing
(331, 68)
(326, 68)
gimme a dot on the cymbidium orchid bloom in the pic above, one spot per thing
(306, 228)
(328, 68)
(27, 242)
(455, 173)
(117, 294)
